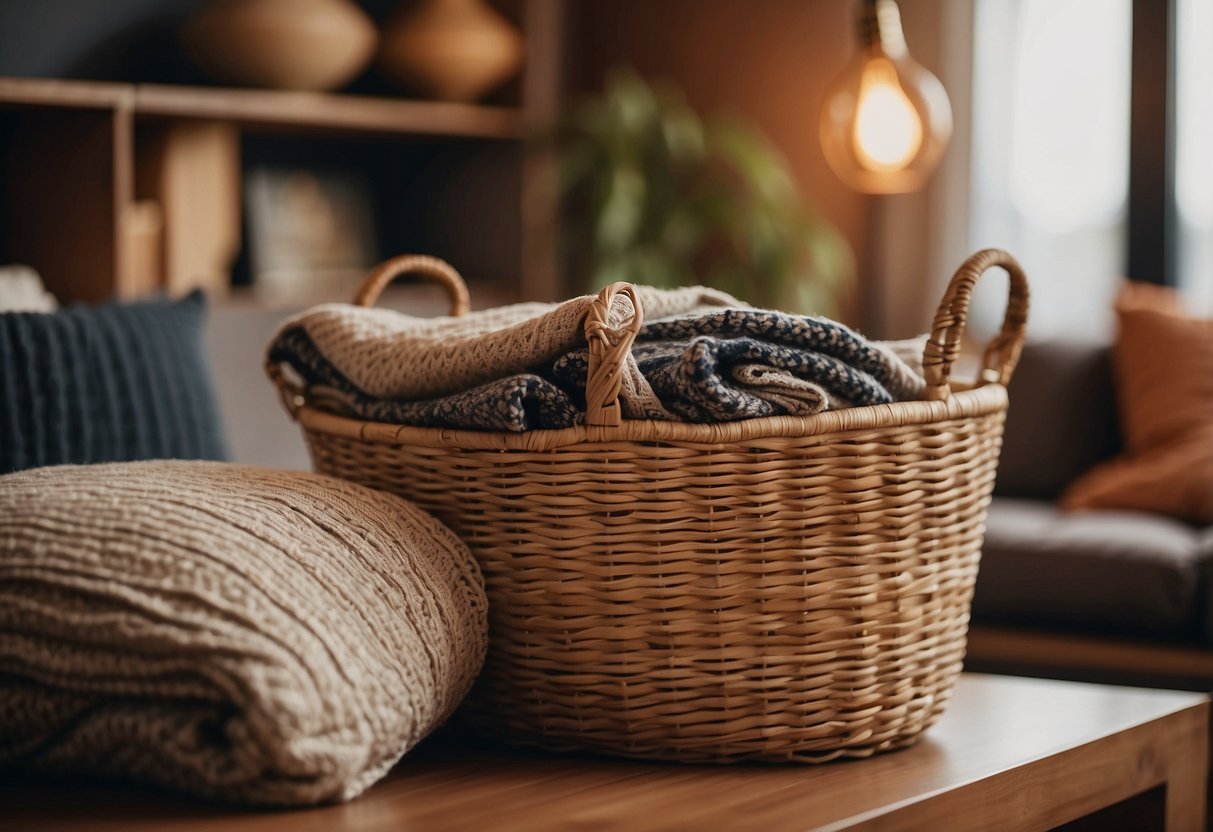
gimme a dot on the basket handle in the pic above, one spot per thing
(437, 270)
(293, 395)
(609, 349)
(943, 348)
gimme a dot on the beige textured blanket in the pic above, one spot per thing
(250, 635)
(389, 355)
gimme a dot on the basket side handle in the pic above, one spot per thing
(610, 347)
(1002, 353)
(437, 270)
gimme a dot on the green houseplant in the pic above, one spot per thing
(653, 193)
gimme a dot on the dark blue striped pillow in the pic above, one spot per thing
(117, 382)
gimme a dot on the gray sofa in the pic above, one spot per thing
(1115, 596)
(1104, 596)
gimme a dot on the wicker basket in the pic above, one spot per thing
(786, 588)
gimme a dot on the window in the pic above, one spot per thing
(1194, 149)
(1050, 154)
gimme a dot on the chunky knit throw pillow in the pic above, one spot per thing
(249, 635)
(120, 381)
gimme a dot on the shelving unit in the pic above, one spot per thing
(123, 189)
(268, 109)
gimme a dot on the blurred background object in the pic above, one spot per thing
(281, 44)
(21, 290)
(656, 194)
(454, 50)
(110, 138)
(1078, 142)
(190, 171)
(310, 233)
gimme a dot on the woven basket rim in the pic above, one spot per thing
(961, 404)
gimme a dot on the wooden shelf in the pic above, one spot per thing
(270, 109)
(120, 189)
(355, 113)
(52, 92)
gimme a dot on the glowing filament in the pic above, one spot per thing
(888, 132)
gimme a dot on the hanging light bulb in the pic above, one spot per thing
(886, 120)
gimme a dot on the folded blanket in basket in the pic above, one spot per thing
(519, 402)
(710, 358)
(389, 355)
(384, 365)
(747, 363)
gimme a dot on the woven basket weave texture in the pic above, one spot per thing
(790, 588)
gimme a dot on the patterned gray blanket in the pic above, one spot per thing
(722, 366)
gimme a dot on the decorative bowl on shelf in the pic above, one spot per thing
(281, 44)
(454, 50)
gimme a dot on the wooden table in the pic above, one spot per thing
(1014, 754)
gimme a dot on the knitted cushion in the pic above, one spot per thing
(1163, 361)
(106, 383)
(251, 635)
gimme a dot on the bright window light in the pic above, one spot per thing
(1069, 140)
(1050, 155)
(1194, 148)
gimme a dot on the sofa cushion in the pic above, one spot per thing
(252, 635)
(116, 382)
(1062, 418)
(1163, 363)
(1104, 571)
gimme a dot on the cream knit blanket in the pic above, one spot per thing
(389, 355)
(250, 635)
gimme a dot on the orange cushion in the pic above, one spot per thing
(1163, 362)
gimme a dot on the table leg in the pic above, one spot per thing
(1187, 773)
